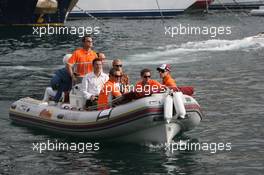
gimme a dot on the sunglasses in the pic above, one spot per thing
(120, 65)
(117, 76)
(147, 76)
(162, 71)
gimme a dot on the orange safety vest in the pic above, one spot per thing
(109, 91)
(83, 60)
(169, 81)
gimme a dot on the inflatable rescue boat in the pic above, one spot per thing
(154, 118)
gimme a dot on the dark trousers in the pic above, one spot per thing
(90, 103)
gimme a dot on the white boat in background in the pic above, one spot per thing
(236, 4)
(258, 12)
(129, 8)
(200, 6)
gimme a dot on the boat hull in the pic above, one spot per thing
(129, 9)
(138, 121)
(23, 13)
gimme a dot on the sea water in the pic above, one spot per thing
(226, 71)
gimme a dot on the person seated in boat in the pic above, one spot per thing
(82, 59)
(123, 82)
(110, 91)
(61, 83)
(101, 55)
(167, 80)
(164, 71)
(146, 85)
(92, 83)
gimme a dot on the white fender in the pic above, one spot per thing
(179, 104)
(76, 97)
(168, 108)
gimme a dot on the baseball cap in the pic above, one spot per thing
(164, 67)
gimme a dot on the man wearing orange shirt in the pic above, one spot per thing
(167, 80)
(147, 85)
(110, 90)
(82, 60)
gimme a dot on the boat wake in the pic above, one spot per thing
(30, 68)
(185, 52)
(174, 146)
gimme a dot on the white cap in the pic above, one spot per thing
(66, 58)
(164, 67)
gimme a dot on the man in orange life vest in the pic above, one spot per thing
(110, 90)
(124, 79)
(167, 80)
(82, 58)
(147, 85)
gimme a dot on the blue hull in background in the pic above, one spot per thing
(23, 12)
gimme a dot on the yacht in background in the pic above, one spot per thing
(129, 8)
(258, 12)
(200, 6)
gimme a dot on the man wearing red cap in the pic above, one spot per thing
(167, 80)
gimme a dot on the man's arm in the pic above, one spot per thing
(85, 88)
(171, 83)
(69, 65)
(116, 93)
(70, 71)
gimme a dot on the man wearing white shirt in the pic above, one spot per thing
(93, 82)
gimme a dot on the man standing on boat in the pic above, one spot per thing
(82, 60)
(93, 82)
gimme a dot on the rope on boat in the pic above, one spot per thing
(90, 15)
(231, 11)
(161, 14)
